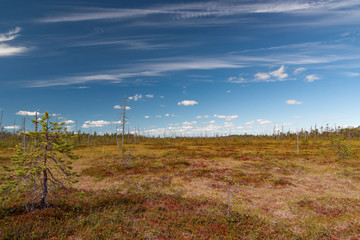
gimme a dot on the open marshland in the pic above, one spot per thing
(199, 188)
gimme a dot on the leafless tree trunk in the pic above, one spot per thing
(23, 136)
(297, 142)
(123, 128)
(1, 118)
(128, 134)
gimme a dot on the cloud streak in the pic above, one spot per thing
(7, 50)
(145, 69)
(210, 9)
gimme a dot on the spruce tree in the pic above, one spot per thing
(43, 166)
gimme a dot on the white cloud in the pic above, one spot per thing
(119, 107)
(236, 80)
(311, 78)
(167, 115)
(27, 113)
(149, 95)
(12, 127)
(228, 91)
(250, 123)
(299, 70)
(292, 101)
(262, 121)
(262, 76)
(69, 121)
(158, 116)
(11, 35)
(8, 50)
(297, 117)
(227, 118)
(280, 73)
(161, 96)
(212, 122)
(200, 117)
(187, 103)
(189, 123)
(116, 122)
(229, 124)
(147, 117)
(136, 97)
(97, 123)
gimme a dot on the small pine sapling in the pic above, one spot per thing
(43, 167)
(341, 147)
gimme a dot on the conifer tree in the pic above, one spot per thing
(43, 167)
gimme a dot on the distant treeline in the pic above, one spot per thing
(78, 139)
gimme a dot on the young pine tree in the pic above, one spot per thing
(43, 166)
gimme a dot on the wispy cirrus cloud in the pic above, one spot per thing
(10, 35)
(7, 50)
(210, 9)
(149, 68)
(92, 14)
(299, 70)
(313, 54)
(133, 44)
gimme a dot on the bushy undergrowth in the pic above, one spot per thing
(112, 215)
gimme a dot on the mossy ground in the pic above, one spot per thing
(180, 188)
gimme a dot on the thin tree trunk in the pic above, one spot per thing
(297, 143)
(1, 118)
(123, 129)
(45, 176)
(45, 189)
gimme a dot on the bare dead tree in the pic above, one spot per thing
(123, 128)
(23, 136)
(297, 142)
(1, 118)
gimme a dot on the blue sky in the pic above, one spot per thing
(187, 68)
